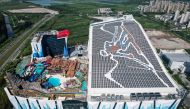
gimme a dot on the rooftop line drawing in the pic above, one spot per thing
(119, 44)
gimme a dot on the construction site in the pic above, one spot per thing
(164, 40)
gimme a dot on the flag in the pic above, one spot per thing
(63, 34)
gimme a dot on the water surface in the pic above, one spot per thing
(48, 2)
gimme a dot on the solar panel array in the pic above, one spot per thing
(128, 73)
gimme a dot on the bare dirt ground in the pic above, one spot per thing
(34, 10)
(164, 40)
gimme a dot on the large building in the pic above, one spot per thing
(104, 11)
(47, 43)
(124, 67)
(124, 72)
(177, 60)
(168, 6)
(177, 14)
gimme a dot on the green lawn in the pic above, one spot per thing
(147, 23)
(78, 25)
(26, 50)
(22, 22)
(178, 80)
(74, 17)
(185, 35)
(91, 8)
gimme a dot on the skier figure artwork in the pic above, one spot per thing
(118, 47)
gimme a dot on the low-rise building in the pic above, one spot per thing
(104, 11)
(165, 17)
(177, 60)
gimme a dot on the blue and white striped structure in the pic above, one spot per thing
(32, 103)
(37, 50)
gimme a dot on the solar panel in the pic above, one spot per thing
(123, 58)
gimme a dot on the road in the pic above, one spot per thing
(13, 49)
(4, 49)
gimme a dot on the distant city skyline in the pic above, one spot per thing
(165, 6)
